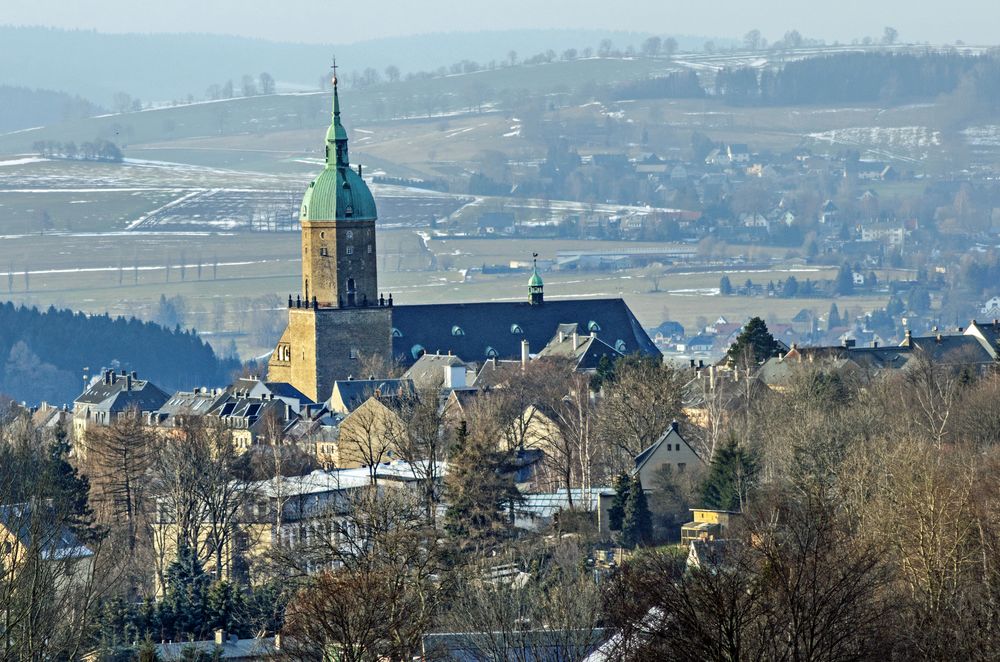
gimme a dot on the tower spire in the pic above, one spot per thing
(336, 137)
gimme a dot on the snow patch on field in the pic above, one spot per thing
(905, 143)
(987, 135)
(24, 161)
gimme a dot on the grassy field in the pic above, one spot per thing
(126, 273)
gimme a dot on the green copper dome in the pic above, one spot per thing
(339, 193)
(536, 279)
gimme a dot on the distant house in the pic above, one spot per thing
(349, 394)
(829, 212)
(738, 154)
(224, 647)
(708, 524)
(110, 396)
(991, 309)
(699, 344)
(30, 531)
(496, 222)
(671, 451)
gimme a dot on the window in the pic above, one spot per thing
(457, 331)
(322, 251)
(369, 249)
(593, 326)
(322, 235)
(396, 333)
(680, 467)
(516, 330)
(350, 234)
(620, 346)
(417, 351)
(491, 353)
(354, 353)
(350, 250)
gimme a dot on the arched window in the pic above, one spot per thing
(396, 333)
(516, 329)
(620, 346)
(417, 351)
(593, 326)
(457, 331)
(491, 353)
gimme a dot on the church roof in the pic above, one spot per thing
(480, 331)
(339, 192)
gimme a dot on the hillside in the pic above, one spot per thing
(44, 354)
(162, 67)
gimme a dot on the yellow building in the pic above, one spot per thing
(708, 525)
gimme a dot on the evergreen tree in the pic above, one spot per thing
(616, 514)
(833, 318)
(755, 344)
(637, 524)
(844, 285)
(69, 489)
(478, 490)
(224, 604)
(185, 603)
(731, 476)
(725, 287)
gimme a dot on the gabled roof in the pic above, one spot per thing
(672, 435)
(428, 371)
(496, 329)
(585, 352)
(350, 394)
(115, 393)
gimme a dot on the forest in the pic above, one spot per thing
(23, 108)
(43, 355)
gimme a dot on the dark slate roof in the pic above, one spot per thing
(471, 330)
(585, 356)
(962, 350)
(286, 390)
(123, 394)
(355, 392)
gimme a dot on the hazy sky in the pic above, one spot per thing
(340, 21)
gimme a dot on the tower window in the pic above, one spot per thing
(322, 251)
(322, 235)
(350, 250)
(350, 234)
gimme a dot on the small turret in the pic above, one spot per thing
(535, 285)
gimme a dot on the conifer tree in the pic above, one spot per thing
(637, 525)
(833, 318)
(754, 344)
(185, 603)
(478, 491)
(731, 476)
(616, 514)
(69, 489)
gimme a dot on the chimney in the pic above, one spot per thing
(576, 341)
(525, 354)
(454, 376)
(675, 426)
(562, 337)
(692, 364)
(875, 344)
(277, 641)
(701, 364)
(220, 637)
(711, 377)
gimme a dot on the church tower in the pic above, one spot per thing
(338, 229)
(338, 317)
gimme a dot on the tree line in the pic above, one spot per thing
(24, 108)
(43, 355)
(97, 150)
